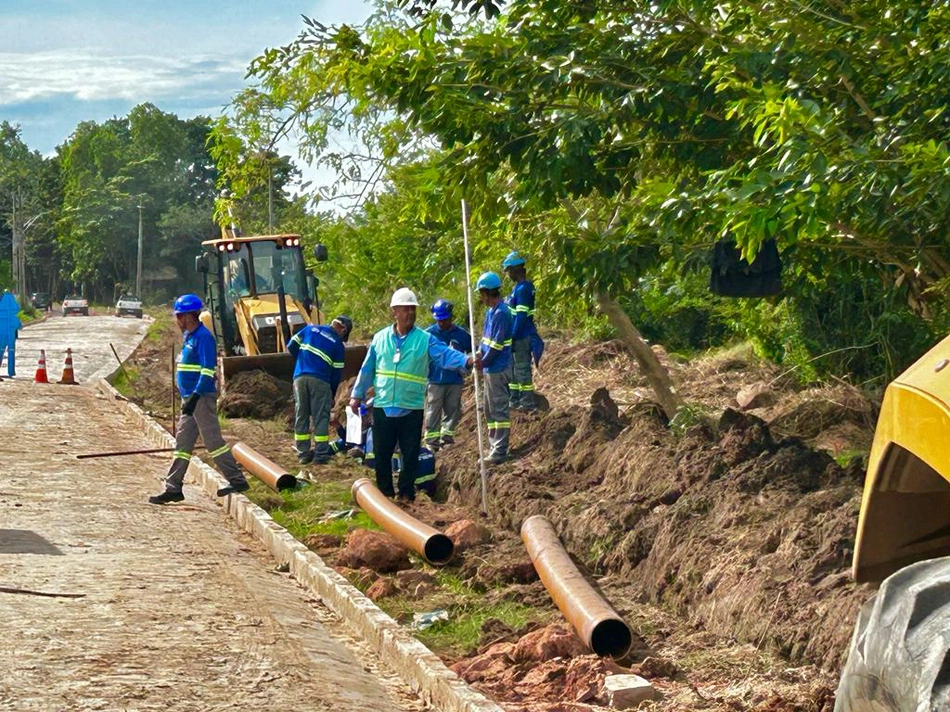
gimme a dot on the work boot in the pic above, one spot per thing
(495, 459)
(320, 459)
(305, 459)
(447, 440)
(234, 489)
(167, 497)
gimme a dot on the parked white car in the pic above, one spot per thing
(74, 304)
(129, 306)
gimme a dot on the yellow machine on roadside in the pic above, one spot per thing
(259, 293)
(900, 652)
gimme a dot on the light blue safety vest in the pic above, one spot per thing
(401, 374)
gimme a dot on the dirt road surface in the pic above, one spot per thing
(157, 608)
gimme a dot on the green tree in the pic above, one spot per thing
(151, 159)
(630, 126)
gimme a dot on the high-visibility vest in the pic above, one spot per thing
(401, 380)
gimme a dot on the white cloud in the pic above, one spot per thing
(88, 76)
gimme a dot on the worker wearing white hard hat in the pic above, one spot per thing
(396, 367)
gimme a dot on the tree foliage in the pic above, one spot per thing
(149, 162)
(612, 137)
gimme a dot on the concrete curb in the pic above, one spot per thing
(416, 664)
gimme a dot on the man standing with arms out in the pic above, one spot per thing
(396, 366)
(444, 393)
(319, 352)
(199, 409)
(521, 304)
(496, 365)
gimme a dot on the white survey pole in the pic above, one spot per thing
(475, 341)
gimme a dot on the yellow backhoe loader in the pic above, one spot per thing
(259, 293)
(900, 651)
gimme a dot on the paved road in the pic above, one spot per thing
(168, 608)
(88, 337)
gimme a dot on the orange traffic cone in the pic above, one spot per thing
(41, 369)
(68, 378)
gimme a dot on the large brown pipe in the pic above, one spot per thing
(597, 624)
(263, 469)
(435, 546)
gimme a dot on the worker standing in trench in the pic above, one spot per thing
(319, 352)
(195, 373)
(396, 366)
(444, 392)
(521, 304)
(496, 366)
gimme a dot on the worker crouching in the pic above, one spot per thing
(195, 375)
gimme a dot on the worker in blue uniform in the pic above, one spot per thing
(496, 366)
(319, 351)
(397, 366)
(195, 374)
(444, 392)
(521, 304)
(10, 326)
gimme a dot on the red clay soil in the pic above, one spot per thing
(724, 541)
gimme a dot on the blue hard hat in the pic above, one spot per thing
(442, 309)
(512, 260)
(488, 280)
(188, 303)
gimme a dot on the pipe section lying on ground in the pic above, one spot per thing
(263, 469)
(432, 544)
(597, 624)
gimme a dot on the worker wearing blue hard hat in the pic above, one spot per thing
(524, 335)
(496, 365)
(444, 392)
(195, 375)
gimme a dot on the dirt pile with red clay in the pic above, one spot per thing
(723, 539)
(743, 533)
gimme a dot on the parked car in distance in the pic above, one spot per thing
(41, 301)
(74, 304)
(129, 305)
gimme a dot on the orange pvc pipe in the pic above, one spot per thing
(593, 619)
(263, 469)
(432, 544)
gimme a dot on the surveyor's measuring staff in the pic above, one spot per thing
(471, 326)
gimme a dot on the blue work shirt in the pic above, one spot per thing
(197, 362)
(521, 304)
(496, 339)
(437, 351)
(455, 337)
(319, 352)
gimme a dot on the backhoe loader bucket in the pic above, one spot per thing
(281, 365)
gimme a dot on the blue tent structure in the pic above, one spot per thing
(9, 326)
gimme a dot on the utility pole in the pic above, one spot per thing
(138, 262)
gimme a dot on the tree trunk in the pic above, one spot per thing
(656, 374)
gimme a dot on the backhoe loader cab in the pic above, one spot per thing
(900, 652)
(259, 293)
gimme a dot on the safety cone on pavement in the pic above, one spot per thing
(41, 376)
(69, 377)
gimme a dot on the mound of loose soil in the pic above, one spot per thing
(256, 394)
(748, 537)
(717, 545)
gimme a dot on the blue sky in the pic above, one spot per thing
(67, 61)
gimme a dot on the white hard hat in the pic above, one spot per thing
(404, 297)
